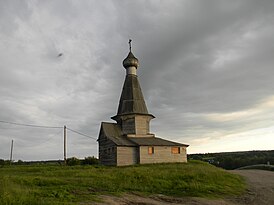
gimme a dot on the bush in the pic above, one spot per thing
(73, 161)
(90, 160)
(2, 162)
(20, 162)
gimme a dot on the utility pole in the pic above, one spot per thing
(65, 144)
(11, 149)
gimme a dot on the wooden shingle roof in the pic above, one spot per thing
(132, 100)
(154, 141)
(113, 132)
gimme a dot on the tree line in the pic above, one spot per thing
(234, 160)
(73, 161)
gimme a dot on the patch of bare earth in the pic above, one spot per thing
(260, 187)
(260, 192)
(132, 199)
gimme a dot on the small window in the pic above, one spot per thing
(175, 150)
(150, 150)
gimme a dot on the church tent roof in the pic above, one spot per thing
(132, 100)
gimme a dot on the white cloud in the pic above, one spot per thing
(257, 139)
(264, 108)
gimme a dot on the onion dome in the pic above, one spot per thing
(130, 61)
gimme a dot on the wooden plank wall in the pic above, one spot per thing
(161, 154)
(107, 151)
(127, 156)
(142, 125)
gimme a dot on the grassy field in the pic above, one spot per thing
(75, 184)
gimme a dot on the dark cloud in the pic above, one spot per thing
(200, 62)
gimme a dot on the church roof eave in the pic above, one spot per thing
(127, 114)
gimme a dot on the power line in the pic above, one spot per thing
(81, 134)
(29, 125)
(44, 126)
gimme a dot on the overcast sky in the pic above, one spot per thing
(206, 72)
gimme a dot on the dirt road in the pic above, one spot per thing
(260, 192)
(261, 187)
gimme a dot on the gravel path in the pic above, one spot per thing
(261, 187)
(260, 192)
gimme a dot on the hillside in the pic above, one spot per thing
(70, 185)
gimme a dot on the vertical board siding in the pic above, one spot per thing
(142, 124)
(127, 156)
(107, 151)
(128, 126)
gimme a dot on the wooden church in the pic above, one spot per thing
(129, 141)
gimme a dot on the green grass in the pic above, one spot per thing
(72, 185)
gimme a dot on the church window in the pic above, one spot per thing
(150, 150)
(175, 150)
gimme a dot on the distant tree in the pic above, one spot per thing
(8, 162)
(90, 160)
(233, 160)
(73, 161)
(20, 162)
(2, 162)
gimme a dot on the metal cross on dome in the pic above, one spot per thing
(129, 42)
